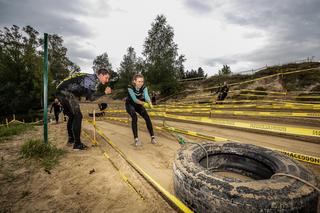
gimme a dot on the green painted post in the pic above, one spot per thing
(45, 88)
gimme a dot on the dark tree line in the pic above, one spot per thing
(21, 63)
(194, 73)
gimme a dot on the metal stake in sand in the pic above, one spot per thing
(45, 88)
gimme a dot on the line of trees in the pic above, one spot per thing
(21, 62)
(161, 64)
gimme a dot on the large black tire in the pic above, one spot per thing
(204, 191)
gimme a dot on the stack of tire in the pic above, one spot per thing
(204, 190)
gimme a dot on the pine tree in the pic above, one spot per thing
(128, 67)
(225, 70)
(101, 61)
(163, 65)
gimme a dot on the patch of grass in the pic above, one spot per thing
(47, 154)
(13, 129)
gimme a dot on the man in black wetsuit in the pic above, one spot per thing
(222, 92)
(57, 107)
(69, 92)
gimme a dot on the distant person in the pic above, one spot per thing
(69, 92)
(137, 100)
(222, 92)
(154, 98)
(57, 108)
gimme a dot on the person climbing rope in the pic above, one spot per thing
(136, 102)
(69, 92)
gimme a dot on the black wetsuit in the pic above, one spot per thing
(56, 109)
(69, 92)
(132, 107)
(223, 92)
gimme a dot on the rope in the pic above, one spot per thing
(297, 178)
(182, 141)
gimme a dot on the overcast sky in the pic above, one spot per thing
(244, 34)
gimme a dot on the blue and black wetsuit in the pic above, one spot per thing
(132, 107)
(69, 92)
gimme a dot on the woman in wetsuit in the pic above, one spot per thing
(136, 102)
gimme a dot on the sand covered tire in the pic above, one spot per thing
(208, 191)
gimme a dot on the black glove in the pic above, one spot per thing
(102, 106)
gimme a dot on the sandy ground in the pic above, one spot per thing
(26, 187)
(157, 160)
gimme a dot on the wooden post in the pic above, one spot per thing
(94, 126)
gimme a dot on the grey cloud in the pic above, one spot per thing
(199, 6)
(252, 35)
(218, 61)
(290, 26)
(77, 50)
(80, 52)
(294, 33)
(51, 16)
(56, 17)
(293, 28)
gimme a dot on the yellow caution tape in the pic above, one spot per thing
(125, 120)
(171, 198)
(297, 156)
(198, 110)
(207, 110)
(123, 176)
(301, 157)
(192, 133)
(248, 125)
(270, 114)
(285, 106)
(260, 91)
(228, 103)
(287, 97)
(115, 110)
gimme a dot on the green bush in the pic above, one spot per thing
(47, 154)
